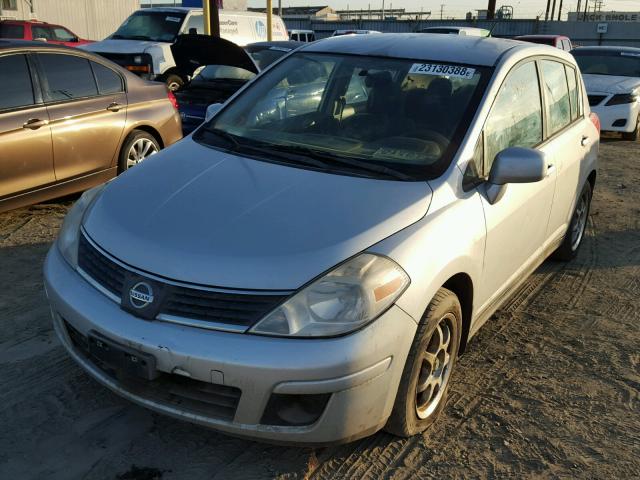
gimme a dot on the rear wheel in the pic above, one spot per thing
(575, 233)
(635, 135)
(424, 385)
(138, 146)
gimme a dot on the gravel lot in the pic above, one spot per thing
(549, 388)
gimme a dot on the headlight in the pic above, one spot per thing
(348, 297)
(622, 98)
(70, 231)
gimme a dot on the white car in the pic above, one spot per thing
(612, 79)
(454, 30)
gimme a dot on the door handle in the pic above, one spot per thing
(585, 141)
(35, 123)
(114, 107)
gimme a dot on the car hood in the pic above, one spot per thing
(120, 46)
(198, 215)
(193, 51)
(609, 83)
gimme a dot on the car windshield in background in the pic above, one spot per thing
(265, 56)
(211, 73)
(621, 64)
(153, 26)
(354, 114)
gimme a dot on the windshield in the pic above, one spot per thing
(153, 26)
(622, 64)
(265, 56)
(389, 114)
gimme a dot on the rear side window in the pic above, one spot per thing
(557, 95)
(294, 36)
(573, 91)
(108, 80)
(66, 77)
(11, 31)
(516, 115)
(16, 82)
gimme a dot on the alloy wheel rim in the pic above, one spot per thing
(141, 149)
(435, 367)
(579, 221)
(173, 86)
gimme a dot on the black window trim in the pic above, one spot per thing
(40, 74)
(123, 84)
(35, 85)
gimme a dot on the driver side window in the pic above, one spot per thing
(515, 119)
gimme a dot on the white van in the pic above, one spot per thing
(302, 35)
(143, 42)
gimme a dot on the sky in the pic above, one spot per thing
(456, 8)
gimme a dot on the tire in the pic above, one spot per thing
(635, 135)
(413, 412)
(174, 82)
(575, 233)
(138, 146)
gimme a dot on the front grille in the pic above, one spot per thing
(235, 309)
(107, 273)
(595, 99)
(203, 398)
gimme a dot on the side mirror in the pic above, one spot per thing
(212, 110)
(75, 39)
(514, 165)
(40, 39)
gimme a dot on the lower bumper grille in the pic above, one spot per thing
(202, 398)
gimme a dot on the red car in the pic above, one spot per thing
(33, 30)
(558, 41)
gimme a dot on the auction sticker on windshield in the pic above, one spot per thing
(456, 71)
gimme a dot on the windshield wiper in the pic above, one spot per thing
(268, 151)
(356, 163)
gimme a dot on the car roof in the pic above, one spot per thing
(10, 44)
(469, 50)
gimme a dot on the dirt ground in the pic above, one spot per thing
(549, 388)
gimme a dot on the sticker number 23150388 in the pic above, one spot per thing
(440, 69)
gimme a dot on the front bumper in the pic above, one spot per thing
(360, 371)
(611, 116)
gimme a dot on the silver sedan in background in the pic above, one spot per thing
(309, 272)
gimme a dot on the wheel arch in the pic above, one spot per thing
(592, 179)
(462, 285)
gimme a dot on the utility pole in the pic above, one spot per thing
(546, 15)
(491, 10)
(211, 17)
(382, 15)
(560, 11)
(269, 20)
(280, 8)
(586, 9)
(441, 10)
(553, 10)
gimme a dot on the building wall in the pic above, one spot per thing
(93, 19)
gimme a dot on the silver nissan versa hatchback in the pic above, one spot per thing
(309, 264)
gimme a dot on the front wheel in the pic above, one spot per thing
(425, 380)
(635, 135)
(575, 233)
